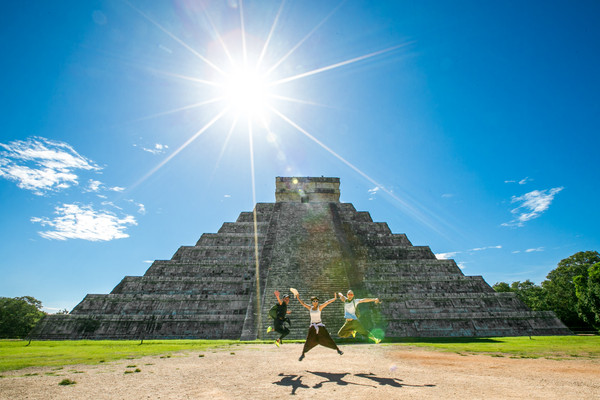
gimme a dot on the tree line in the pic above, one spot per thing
(571, 290)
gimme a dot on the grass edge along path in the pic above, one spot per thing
(16, 354)
(550, 347)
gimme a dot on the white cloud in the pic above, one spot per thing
(93, 185)
(521, 182)
(461, 265)
(532, 205)
(116, 189)
(486, 248)
(83, 222)
(532, 250)
(525, 180)
(447, 195)
(140, 206)
(446, 256)
(157, 149)
(373, 192)
(41, 165)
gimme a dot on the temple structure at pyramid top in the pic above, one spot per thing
(307, 190)
(222, 287)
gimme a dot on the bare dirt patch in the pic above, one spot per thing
(265, 371)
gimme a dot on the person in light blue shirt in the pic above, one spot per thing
(352, 326)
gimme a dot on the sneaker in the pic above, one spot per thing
(277, 343)
(353, 334)
(269, 329)
(340, 352)
(301, 357)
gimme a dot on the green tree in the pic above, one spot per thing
(532, 295)
(561, 294)
(18, 316)
(587, 289)
(502, 287)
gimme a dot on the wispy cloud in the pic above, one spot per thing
(42, 165)
(373, 192)
(533, 250)
(141, 209)
(74, 221)
(531, 206)
(525, 180)
(446, 256)
(486, 248)
(447, 195)
(157, 149)
(521, 182)
(449, 255)
(93, 185)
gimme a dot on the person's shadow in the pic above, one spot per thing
(334, 378)
(295, 381)
(388, 381)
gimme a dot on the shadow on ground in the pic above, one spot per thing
(369, 379)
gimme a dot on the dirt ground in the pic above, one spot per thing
(267, 372)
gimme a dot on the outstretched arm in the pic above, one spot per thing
(278, 298)
(376, 300)
(328, 302)
(301, 302)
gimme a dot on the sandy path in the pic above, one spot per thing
(266, 372)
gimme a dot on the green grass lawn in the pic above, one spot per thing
(17, 354)
(554, 347)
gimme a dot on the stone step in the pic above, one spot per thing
(248, 216)
(414, 287)
(103, 326)
(385, 240)
(243, 227)
(205, 268)
(194, 253)
(355, 216)
(401, 253)
(162, 304)
(229, 239)
(182, 285)
(369, 227)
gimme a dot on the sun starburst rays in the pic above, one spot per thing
(249, 88)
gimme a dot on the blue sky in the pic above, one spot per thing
(472, 127)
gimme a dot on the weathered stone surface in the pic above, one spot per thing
(307, 239)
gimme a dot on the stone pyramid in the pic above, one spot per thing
(222, 287)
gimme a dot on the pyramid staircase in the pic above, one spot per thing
(308, 240)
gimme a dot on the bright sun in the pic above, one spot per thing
(246, 92)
